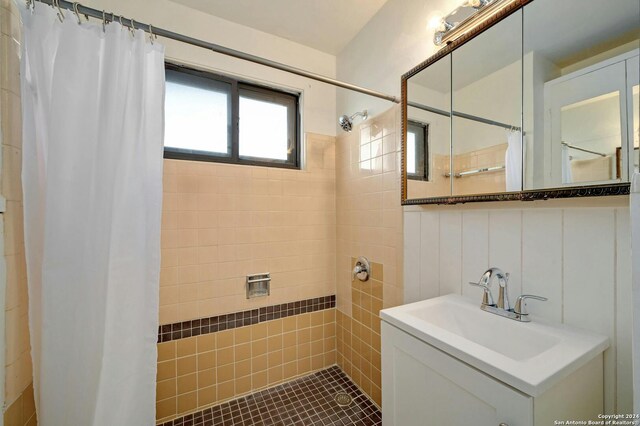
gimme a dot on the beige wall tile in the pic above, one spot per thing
(18, 360)
(226, 390)
(166, 389)
(358, 335)
(225, 356)
(206, 378)
(206, 360)
(186, 347)
(187, 402)
(206, 343)
(166, 370)
(225, 373)
(206, 396)
(219, 225)
(211, 368)
(368, 211)
(166, 408)
(186, 365)
(186, 384)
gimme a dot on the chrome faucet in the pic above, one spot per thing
(503, 307)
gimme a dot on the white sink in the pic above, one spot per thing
(531, 357)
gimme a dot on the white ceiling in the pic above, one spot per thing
(326, 25)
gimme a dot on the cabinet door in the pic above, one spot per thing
(587, 127)
(423, 386)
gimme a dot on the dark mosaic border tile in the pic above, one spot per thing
(182, 330)
(308, 400)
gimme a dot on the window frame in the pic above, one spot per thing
(294, 159)
(424, 151)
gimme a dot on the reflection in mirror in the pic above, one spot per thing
(586, 126)
(417, 151)
(579, 75)
(487, 105)
(636, 127)
(633, 78)
(428, 131)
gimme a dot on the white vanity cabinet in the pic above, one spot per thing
(424, 386)
(434, 376)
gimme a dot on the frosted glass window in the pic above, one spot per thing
(263, 130)
(411, 152)
(267, 125)
(417, 151)
(216, 118)
(197, 114)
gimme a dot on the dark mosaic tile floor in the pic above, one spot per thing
(305, 401)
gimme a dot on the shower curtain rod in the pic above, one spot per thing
(577, 148)
(463, 115)
(152, 29)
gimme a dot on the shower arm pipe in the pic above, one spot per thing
(364, 114)
(463, 115)
(152, 29)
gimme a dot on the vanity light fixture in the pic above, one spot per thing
(465, 18)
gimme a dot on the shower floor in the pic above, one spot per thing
(304, 401)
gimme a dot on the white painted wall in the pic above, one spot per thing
(319, 99)
(578, 257)
(395, 40)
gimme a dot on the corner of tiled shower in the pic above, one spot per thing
(319, 329)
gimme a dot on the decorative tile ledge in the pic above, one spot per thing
(182, 330)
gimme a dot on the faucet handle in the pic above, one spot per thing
(487, 298)
(521, 305)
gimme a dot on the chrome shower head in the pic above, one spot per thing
(346, 122)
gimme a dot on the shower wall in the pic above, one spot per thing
(19, 407)
(369, 223)
(220, 223)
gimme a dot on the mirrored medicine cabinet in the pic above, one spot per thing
(538, 101)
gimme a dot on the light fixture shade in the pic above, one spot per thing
(466, 17)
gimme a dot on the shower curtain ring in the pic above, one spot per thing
(104, 21)
(132, 28)
(56, 4)
(152, 36)
(77, 12)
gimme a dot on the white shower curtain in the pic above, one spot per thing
(514, 158)
(92, 104)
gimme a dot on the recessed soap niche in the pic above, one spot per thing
(258, 285)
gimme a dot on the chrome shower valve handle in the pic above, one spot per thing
(361, 270)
